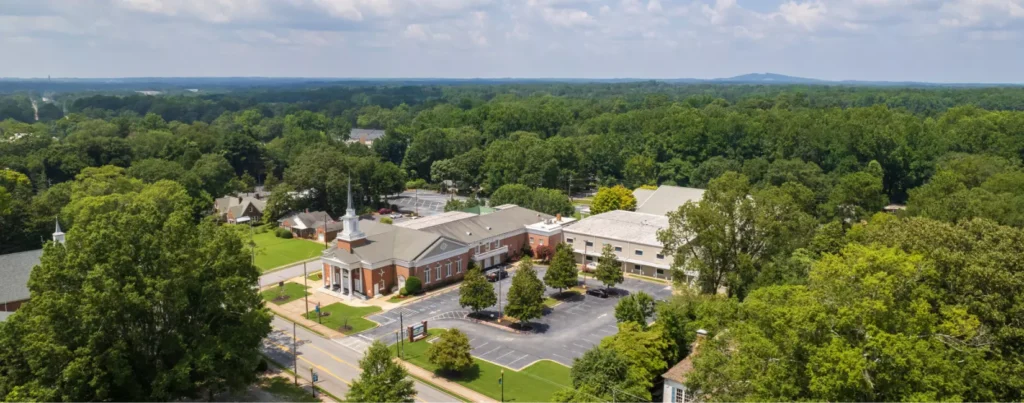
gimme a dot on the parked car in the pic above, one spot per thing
(496, 275)
(598, 292)
(396, 215)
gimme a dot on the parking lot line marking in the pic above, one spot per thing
(495, 349)
(583, 347)
(560, 356)
(503, 355)
(482, 345)
(517, 359)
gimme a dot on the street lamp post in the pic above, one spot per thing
(502, 382)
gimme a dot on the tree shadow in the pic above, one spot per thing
(467, 375)
(568, 296)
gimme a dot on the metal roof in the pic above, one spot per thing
(15, 269)
(430, 221)
(667, 199)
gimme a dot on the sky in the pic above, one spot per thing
(891, 40)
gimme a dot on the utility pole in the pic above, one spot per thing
(295, 355)
(501, 269)
(569, 188)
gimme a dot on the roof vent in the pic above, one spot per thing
(468, 233)
(488, 228)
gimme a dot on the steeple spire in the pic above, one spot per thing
(58, 235)
(350, 206)
(350, 232)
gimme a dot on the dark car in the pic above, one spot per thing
(496, 275)
(598, 292)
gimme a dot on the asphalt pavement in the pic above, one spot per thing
(335, 365)
(562, 334)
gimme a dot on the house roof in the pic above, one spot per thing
(479, 227)
(682, 369)
(224, 204)
(367, 134)
(385, 241)
(236, 210)
(15, 269)
(666, 199)
(629, 226)
(310, 219)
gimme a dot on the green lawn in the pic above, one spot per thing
(536, 383)
(551, 302)
(273, 252)
(293, 291)
(396, 299)
(286, 390)
(339, 313)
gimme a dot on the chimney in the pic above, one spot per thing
(558, 217)
(239, 199)
(307, 211)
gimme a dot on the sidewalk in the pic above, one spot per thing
(445, 384)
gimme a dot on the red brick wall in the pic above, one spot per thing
(371, 277)
(327, 268)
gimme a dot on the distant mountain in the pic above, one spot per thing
(768, 78)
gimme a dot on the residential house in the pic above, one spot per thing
(364, 136)
(241, 208)
(305, 224)
(675, 379)
(15, 269)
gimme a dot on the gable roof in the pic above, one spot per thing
(15, 269)
(666, 199)
(479, 227)
(385, 241)
(365, 134)
(310, 219)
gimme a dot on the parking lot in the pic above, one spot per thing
(422, 202)
(562, 334)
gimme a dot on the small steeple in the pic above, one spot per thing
(58, 235)
(350, 232)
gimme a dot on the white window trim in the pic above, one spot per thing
(448, 269)
(438, 275)
(427, 274)
(458, 266)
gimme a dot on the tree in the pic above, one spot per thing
(562, 273)
(600, 375)
(636, 308)
(548, 201)
(154, 170)
(644, 351)
(381, 379)
(141, 304)
(731, 236)
(475, 292)
(214, 174)
(640, 170)
(543, 253)
(451, 352)
(526, 295)
(609, 270)
(856, 197)
(613, 198)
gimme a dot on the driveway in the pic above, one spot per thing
(564, 333)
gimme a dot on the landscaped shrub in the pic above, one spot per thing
(544, 253)
(386, 220)
(283, 233)
(413, 286)
(262, 365)
(403, 292)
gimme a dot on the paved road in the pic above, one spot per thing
(291, 272)
(336, 366)
(562, 334)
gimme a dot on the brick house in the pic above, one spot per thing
(15, 269)
(306, 224)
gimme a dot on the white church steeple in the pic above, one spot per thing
(350, 231)
(58, 235)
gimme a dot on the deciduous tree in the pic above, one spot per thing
(562, 273)
(475, 292)
(381, 379)
(526, 295)
(636, 308)
(451, 351)
(613, 198)
(609, 270)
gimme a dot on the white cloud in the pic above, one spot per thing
(566, 17)
(807, 15)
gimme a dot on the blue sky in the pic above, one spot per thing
(920, 40)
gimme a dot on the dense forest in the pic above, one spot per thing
(825, 297)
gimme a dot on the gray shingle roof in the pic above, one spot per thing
(312, 219)
(666, 199)
(369, 134)
(472, 229)
(385, 241)
(15, 269)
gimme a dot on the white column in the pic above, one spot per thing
(330, 276)
(351, 289)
